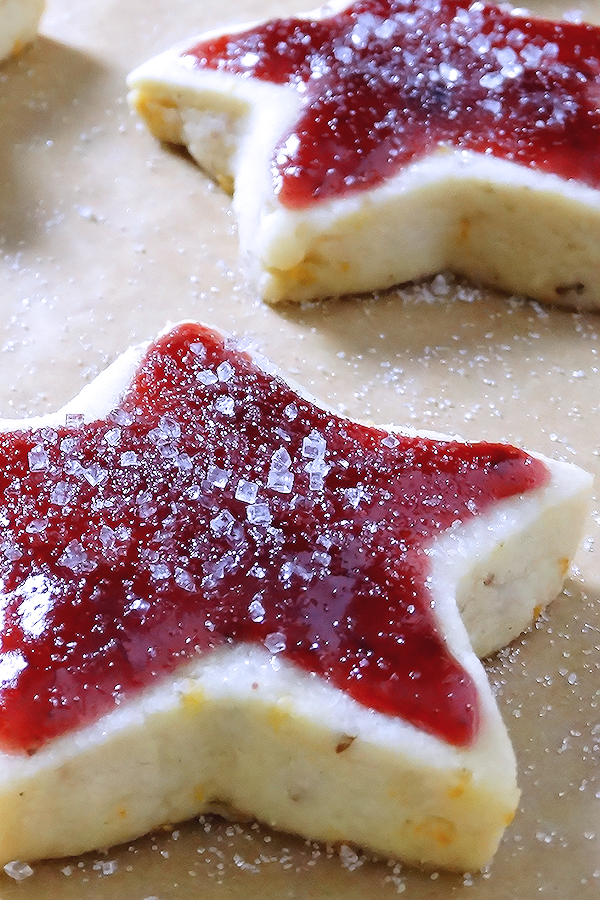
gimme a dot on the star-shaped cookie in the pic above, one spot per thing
(380, 141)
(214, 590)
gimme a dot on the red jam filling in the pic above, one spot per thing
(385, 82)
(215, 505)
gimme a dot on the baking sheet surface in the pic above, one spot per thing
(104, 237)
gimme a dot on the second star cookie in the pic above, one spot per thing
(371, 143)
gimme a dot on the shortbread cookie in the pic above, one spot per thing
(216, 591)
(380, 141)
(19, 20)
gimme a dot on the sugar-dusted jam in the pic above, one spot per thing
(385, 82)
(213, 505)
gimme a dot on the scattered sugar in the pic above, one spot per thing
(491, 81)
(36, 526)
(74, 420)
(350, 859)
(94, 474)
(314, 446)
(183, 462)
(18, 870)
(38, 459)
(222, 523)
(280, 481)
(281, 460)
(112, 437)
(275, 642)
(120, 417)
(11, 663)
(184, 580)
(106, 867)
(320, 558)
(343, 53)
(198, 349)
(75, 558)
(12, 552)
(259, 514)
(246, 491)
(449, 74)
(107, 537)
(256, 610)
(168, 430)
(280, 478)
(160, 571)
(286, 571)
(217, 478)
(492, 105)
(207, 377)
(49, 435)
(354, 495)
(146, 507)
(225, 405)
(225, 371)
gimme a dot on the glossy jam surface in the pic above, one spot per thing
(215, 505)
(384, 82)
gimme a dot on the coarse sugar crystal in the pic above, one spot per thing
(246, 491)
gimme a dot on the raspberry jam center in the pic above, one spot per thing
(214, 505)
(386, 82)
